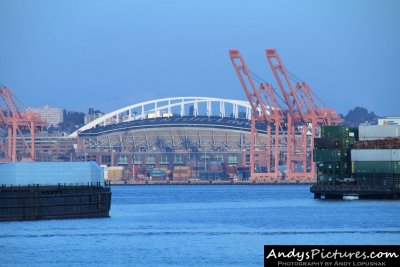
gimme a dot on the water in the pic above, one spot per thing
(198, 226)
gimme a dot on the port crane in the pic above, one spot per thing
(291, 122)
(16, 124)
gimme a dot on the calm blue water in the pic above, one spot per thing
(198, 226)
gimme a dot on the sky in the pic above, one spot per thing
(110, 54)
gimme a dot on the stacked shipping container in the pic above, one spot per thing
(374, 132)
(332, 152)
(374, 167)
(114, 173)
(378, 151)
(378, 167)
(181, 173)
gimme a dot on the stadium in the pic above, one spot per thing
(178, 138)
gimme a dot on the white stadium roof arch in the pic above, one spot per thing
(166, 107)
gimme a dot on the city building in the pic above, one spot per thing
(53, 116)
(92, 115)
(52, 147)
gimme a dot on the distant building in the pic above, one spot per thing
(53, 116)
(92, 115)
(389, 121)
(49, 147)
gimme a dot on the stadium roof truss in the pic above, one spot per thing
(174, 106)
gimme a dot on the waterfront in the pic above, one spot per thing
(198, 226)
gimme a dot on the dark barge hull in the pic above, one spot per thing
(366, 192)
(38, 202)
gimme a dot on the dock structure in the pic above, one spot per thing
(53, 190)
(38, 202)
(359, 191)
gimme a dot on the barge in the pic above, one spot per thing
(354, 192)
(357, 163)
(38, 202)
(53, 190)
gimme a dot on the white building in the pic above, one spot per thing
(53, 116)
(389, 121)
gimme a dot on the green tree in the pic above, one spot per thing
(72, 121)
(360, 115)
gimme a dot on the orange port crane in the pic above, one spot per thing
(294, 121)
(16, 124)
(264, 109)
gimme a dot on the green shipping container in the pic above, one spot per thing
(378, 180)
(340, 168)
(334, 142)
(327, 179)
(327, 143)
(348, 141)
(375, 167)
(330, 155)
(338, 131)
(334, 131)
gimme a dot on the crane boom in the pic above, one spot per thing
(288, 91)
(249, 87)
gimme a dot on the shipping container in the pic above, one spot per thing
(157, 178)
(389, 121)
(327, 178)
(180, 178)
(330, 155)
(338, 131)
(327, 143)
(375, 166)
(116, 168)
(341, 167)
(50, 173)
(114, 173)
(333, 142)
(181, 168)
(243, 173)
(388, 143)
(375, 154)
(215, 163)
(212, 175)
(378, 179)
(372, 132)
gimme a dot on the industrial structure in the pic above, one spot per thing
(361, 162)
(271, 134)
(292, 118)
(269, 138)
(16, 123)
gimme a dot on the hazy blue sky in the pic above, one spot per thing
(109, 54)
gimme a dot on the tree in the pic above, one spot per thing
(360, 115)
(72, 121)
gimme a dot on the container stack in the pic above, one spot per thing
(332, 152)
(231, 171)
(50, 173)
(375, 159)
(114, 173)
(374, 132)
(157, 175)
(215, 166)
(181, 173)
(212, 175)
(376, 167)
